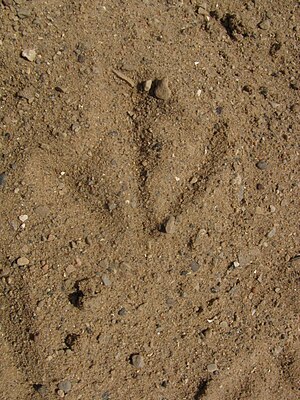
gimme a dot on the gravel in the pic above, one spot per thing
(22, 261)
(41, 390)
(271, 233)
(170, 225)
(4, 271)
(147, 85)
(2, 178)
(137, 361)
(23, 218)
(106, 281)
(195, 266)
(65, 386)
(262, 165)
(122, 312)
(29, 54)
(212, 368)
(162, 90)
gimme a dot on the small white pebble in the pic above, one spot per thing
(29, 54)
(272, 208)
(23, 217)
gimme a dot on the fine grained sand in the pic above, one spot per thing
(149, 246)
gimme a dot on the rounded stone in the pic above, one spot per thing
(262, 165)
(137, 361)
(22, 261)
(162, 90)
(65, 386)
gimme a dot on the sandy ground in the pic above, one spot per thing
(149, 232)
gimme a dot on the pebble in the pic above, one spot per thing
(22, 261)
(262, 165)
(41, 389)
(6, 3)
(195, 266)
(162, 90)
(271, 233)
(2, 178)
(15, 225)
(170, 225)
(27, 94)
(70, 269)
(224, 325)
(111, 206)
(201, 10)
(42, 211)
(122, 312)
(205, 333)
(295, 259)
(4, 272)
(277, 350)
(65, 386)
(23, 13)
(137, 361)
(147, 85)
(29, 54)
(23, 217)
(244, 259)
(272, 209)
(106, 281)
(170, 302)
(193, 180)
(212, 368)
(105, 396)
(265, 24)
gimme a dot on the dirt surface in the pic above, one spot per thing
(149, 238)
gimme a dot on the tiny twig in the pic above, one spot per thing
(125, 78)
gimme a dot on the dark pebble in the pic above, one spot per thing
(122, 312)
(262, 165)
(105, 396)
(2, 178)
(259, 186)
(41, 389)
(81, 58)
(219, 110)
